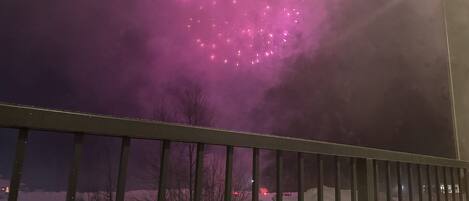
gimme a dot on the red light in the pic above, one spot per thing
(264, 191)
(236, 193)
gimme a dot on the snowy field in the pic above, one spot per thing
(150, 195)
(147, 195)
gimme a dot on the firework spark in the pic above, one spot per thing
(243, 32)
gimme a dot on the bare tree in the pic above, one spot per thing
(185, 104)
(162, 111)
(193, 110)
(192, 105)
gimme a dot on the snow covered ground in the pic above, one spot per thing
(147, 195)
(144, 195)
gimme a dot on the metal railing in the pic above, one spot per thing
(364, 161)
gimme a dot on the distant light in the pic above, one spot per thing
(263, 191)
(5, 189)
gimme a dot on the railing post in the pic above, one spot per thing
(18, 164)
(365, 179)
(255, 174)
(399, 181)
(199, 165)
(453, 186)
(429, 182)
(409, 180)
(419, 182)
(338, 180)
(228, 173)
(376, 179)
(466, 179)
(279, 162)
(301, 189)
(388, 181)
(460, 185)
(72, 178)
(438, 184)
(320, 181)
(164, 165)
(353, 178)
(122, 176)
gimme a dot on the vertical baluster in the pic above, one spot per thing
(445, 182)
(228, 172)
(255, 174)
(429, 182)
(301, 190)
(279, 162)
(18, 164)
(466, 182)
(453, 185)
(419, 182)
(353, 166)
(122, 176)
(388, 181)
(320, 178)
(399, 181)
(410, 175)
(199, 170)
(73, 175)
(461, 196)
(337, 179)
(365, 179)
(165, 151)
(438, 184)
(376, 179)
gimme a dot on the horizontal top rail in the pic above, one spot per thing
(14, 116)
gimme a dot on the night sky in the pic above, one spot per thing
(367, 72)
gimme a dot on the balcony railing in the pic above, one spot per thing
(363, 161)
